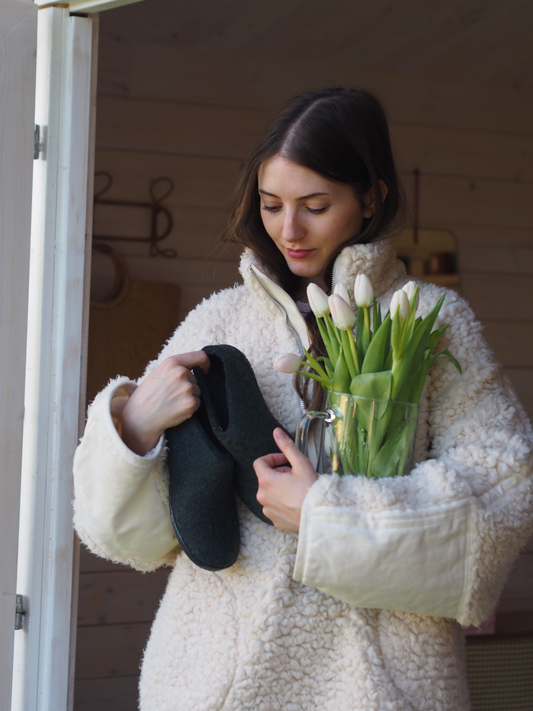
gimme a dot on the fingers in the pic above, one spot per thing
(288, 448)
(270, 461)
(193, 360)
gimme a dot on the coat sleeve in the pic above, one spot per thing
(121, 499)
(440, 541)
(121, 506)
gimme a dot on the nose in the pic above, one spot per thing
(293, 230)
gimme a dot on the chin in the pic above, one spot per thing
(305, 271)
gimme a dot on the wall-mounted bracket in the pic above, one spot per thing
(20, 611)
(39, 141)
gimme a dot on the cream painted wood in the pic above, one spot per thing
(18, 38)
(114, 694)
(182, 128)
(518, 593)
(198, 182)
(195, 233)
(157, 126)
(124, 597)
(512, 342)
(53, 368)
(449, 201)
(499, 297)
(110, 650)
(492, 236)
(504, 259)
(151, 70)
(197, 279)
(445, 201)
(90, 563)
(485, 41)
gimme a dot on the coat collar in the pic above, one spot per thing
(377, 260)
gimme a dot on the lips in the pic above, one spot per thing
(299, 253)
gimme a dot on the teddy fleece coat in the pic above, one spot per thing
(363, 609)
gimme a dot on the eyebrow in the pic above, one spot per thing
(304, 197)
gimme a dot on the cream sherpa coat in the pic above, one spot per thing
(362, 610)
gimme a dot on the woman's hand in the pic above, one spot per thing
(282, 489)
(167, 397)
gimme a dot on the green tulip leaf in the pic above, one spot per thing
(341, 377)
(376, 389)
(377, 352)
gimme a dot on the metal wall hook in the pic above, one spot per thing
(155, 208)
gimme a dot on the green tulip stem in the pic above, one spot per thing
(324, 381)
(333, 338)
(315, 365)
(348, 348)
(354, 354)
(366, 329)
(324, 333)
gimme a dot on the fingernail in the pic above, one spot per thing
(280, 434)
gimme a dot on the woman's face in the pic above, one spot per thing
(307, 216)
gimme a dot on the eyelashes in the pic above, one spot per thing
(311, 210)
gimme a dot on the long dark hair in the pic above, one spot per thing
(341, 134)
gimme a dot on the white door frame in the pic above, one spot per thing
(54, 355)
(18, 37)
(62, 109)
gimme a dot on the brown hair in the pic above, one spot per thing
(343, 135)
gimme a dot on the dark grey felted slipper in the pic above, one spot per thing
(201, 498)
(239, 417)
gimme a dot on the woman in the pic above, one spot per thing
(355, 599)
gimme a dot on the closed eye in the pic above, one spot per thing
(271, 208)
(316, 210)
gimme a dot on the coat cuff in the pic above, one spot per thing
(403, 560)
(115, 399)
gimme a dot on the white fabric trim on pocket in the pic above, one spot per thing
(394, 560)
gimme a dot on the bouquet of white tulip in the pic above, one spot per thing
(384, 367)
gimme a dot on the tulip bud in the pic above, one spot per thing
(341, 312)
(410, 290)
(318, 300)
(342, 291)
(363, 291)
(287, 363)
(399, 301)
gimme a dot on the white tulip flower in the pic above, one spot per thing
(410, 290)
(287, 363)
(363, 291)
(342, 291)
(399, 301)
(318, 300)
(341, 312)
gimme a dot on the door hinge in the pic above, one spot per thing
(20, 611)
(39, 141)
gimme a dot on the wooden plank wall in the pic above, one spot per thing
(194, 116)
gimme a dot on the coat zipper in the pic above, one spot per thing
(287, 322)
(334, 273)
